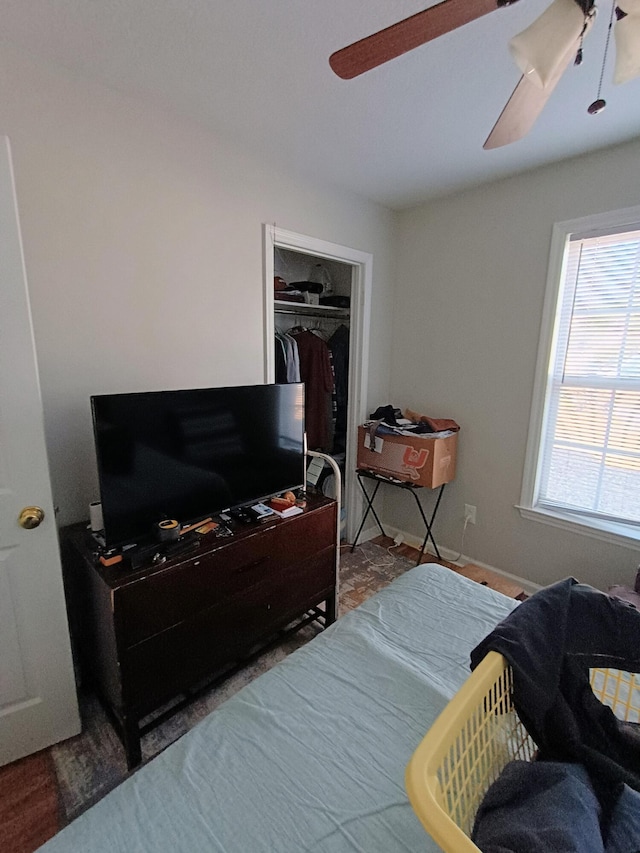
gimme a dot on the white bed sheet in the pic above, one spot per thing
(311, 755)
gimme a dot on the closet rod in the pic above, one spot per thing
(311, 310)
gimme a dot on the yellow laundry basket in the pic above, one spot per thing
(475, 736)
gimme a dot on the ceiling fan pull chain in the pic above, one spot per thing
(599, 104)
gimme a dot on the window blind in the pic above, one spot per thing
(590, 454)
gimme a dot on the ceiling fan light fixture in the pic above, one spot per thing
(627, 37)
(539, 50)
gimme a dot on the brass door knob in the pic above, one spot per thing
(30, 517)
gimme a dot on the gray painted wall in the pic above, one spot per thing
(143, 243)
(471, 280)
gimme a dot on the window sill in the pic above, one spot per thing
(607, 531)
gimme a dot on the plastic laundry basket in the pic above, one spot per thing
(475, 736)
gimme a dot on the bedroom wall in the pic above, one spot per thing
(143, 243)
(471, 282)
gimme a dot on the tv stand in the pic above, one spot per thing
(147, 637)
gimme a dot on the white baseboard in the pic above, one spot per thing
(528, 586)
(452, 556)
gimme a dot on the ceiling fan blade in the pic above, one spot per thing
(524, 106)
(374, 50)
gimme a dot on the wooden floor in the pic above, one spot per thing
(470, 570)
(29, 809)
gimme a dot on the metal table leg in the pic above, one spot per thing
(429, 524)
(369, 508)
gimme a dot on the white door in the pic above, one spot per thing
(38, 704)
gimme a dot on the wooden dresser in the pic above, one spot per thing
(144, 638)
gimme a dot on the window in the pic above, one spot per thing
(583, 461)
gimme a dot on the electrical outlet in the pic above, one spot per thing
(399, 539)
(470, 513)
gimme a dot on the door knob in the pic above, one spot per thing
(30, 517)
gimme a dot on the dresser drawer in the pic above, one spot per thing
(164, 664)
(173, 595)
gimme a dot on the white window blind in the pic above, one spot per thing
(590, 450)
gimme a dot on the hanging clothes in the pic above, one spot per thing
(293, 365)
(316, 373)
(280, 361)
(287, 358)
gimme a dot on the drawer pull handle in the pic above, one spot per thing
(253, 565)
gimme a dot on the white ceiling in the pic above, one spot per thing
(256, 71)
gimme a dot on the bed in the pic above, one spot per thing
(312, 754)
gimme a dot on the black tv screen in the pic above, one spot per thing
(193, 453)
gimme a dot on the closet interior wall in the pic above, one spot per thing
(326, 401)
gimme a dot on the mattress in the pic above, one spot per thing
(312, 754)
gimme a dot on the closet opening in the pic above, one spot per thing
(316, 304)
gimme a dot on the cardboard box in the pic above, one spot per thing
(419, 459)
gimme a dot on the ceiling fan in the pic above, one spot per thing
(543, 51)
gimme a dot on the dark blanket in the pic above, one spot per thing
(549, 807)
(551, 641)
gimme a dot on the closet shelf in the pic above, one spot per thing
(281, 307)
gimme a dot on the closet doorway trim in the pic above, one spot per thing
(361, 264)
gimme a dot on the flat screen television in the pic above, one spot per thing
(194, 453)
